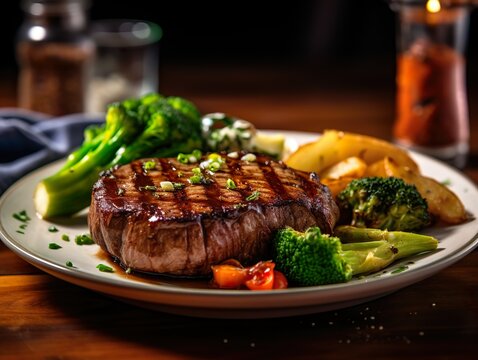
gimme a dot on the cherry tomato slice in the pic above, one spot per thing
(280, 281)
(261, 276)
(229, 276)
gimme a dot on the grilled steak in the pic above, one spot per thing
(188, 229)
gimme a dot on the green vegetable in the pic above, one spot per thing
(104, 268)
(150, 126)
(53, 228)
(65, 237)
(21, 216)
(254, 196)
(230, 184)
(311, 258)
(84, 239)
(69, 264)
(383, 203)
(54, 246)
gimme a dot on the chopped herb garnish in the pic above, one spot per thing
(148, 188)
(149, 165)
(214, 157)
(65, 237)
(189, 158)
(170, 186)
(195, 179)
(120, 191)
(214, 166)
(22, 216)
(53, 228)
(230, 184)
(446, 182)
(254, 196)
(196, 171)
(399, 269)
(249, 157)
(54, 246)
(104, 268)
(197, 154)
(20, 232)
(69, 264)
(23, 226)
(182, 158)
(84, 239)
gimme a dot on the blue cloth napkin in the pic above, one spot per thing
(29, 140)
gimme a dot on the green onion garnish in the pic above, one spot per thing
(69, 263)
(84, 239)
(195, 179)
(230, 184)
(65, 237)
(197, 154)
(22, 216)
(149, 165)
(214, 166)
(182, 158)
(148, 188)
(104, 268)
(52, 229)
(254, 196)
(249, 157)
(54, 246)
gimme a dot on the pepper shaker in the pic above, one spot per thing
(55, 55)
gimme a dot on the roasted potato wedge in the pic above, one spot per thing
(442, 202)
(376, 169)
(334, 146)
(337, 185)
(350, 167)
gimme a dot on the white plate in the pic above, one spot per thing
(195, 298)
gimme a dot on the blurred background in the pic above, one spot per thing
(270, 49)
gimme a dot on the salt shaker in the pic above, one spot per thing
(431, 102)
(54, 54)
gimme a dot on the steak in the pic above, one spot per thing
(187, 229)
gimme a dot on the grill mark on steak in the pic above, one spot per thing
(185, 231)
(182, 200)
(273, 180)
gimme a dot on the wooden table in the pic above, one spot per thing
(43, 317)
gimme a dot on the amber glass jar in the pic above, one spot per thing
(55, 56)
(432, 106)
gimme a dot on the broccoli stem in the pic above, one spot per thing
(69, 190)
(369, 250)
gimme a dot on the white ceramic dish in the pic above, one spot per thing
(196, 298)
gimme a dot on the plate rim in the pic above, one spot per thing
(155, 292)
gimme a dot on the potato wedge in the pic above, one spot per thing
(442, 202)
(334, 146)
(337, 185)
(376, 169)
(350, 167)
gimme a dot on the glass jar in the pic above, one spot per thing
(55, 55)
(431, 99)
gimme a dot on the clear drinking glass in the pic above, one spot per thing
(126, 63)
(431, 99)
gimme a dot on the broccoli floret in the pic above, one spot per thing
(311, 258)
(383, 203)
(151, 125)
